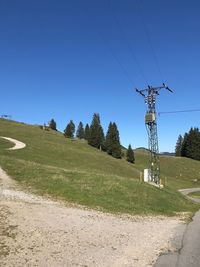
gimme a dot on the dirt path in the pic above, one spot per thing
(187, 191)
(18, 144)
(39, 232)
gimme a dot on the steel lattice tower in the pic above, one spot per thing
(150, 95)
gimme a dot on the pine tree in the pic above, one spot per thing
(87, 132)
(197, 148)
(191, 144)
(178, 147)
(69, 130)
(108, 140)
(80, 131)
(112, 142)
(96, 137)
(52, 125)
(185, 146)
(130, 155)
(193, 151)
(117, 152)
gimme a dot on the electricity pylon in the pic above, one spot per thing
(150, 95)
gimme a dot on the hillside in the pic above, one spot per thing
(74, 171)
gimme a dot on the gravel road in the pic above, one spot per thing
(188, 254)
(188, 191)
(35, 231)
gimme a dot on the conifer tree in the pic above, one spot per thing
(178, 147)
(197, 148)
(96, 137)
(69, 130)
(108, 140)
(87, 132)
(185, 145)
(193, 149)
(112, 142)
(80, 131)
(191, 144)
(117, 152)
(130, 155)
(52, 125)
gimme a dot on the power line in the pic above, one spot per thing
(149, 40)
(100, 35)
(178, 111)
(120, 28)
(125, 72)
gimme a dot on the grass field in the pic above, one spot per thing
(72, 170)
(5, 144)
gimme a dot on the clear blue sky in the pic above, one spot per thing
(66, 60)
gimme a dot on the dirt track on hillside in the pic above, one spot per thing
(17, 144)
(35, 231)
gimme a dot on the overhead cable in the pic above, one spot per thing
(125, 72)
(121, 30)
(178, 111)
(146, 30)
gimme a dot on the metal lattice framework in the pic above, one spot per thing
(150, 95)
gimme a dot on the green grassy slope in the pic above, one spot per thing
(5, 144)
(78, 173)
(178, 172)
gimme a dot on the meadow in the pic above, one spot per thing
(73, 171)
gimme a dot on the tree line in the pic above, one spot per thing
(95, 136)
(189, 144)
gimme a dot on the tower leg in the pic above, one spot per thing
(153, 148)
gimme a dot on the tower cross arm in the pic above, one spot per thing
(141, 92)
(152, 89)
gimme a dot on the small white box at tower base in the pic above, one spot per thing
(147, 175)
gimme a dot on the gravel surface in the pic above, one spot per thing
(188, 253)
(187, 191)
(35, 231)
(47, 233)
